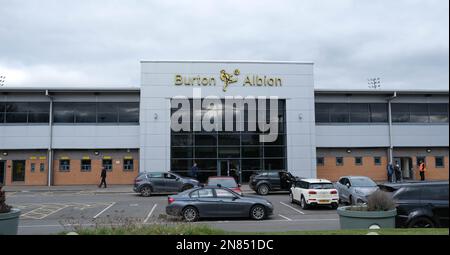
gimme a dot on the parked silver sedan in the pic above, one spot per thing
(355, 189)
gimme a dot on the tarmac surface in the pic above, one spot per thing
(56, 209)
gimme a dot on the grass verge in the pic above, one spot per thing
(200, 229)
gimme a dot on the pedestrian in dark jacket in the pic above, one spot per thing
(194, 171)
(390, 172)
(103, 176)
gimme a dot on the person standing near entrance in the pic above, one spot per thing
(390, 171)
(194, 171)
(422, 169)
(103, 176)
(397, 173)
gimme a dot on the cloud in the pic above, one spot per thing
(404, 42)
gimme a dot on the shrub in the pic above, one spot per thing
(380, 201)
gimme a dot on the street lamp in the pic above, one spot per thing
(374, 83)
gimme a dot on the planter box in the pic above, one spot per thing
(364, 219)
(9, 222)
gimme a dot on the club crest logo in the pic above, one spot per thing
(228, 78)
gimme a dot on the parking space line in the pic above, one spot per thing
(297, 210)
(284, 217)
(150, 213)
(104, 210)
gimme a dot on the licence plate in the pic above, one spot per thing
(324, 201)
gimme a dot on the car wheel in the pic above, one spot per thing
(292, 198)
(421, 222)
(146, 191)
(186, 187)
(258, 212)
(303, 203)
(190, 214)
(263, 189)
(334, 205)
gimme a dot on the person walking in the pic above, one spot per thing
(390, 171)
(103, 176)
(422, 169)
(194, 171)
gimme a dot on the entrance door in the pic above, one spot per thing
(229, 167)
(2, 172)
(18, 171)
(405, 164)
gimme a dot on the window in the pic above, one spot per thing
(85, 165)
(351, 112)
(205, 193)
(439, 162)
(359, 113)
(104, 112)
(339, 161)
(400, 112)
(223, 193)
(358, 161)
(377, 161)
(129, 112)
(420, 159)
(420, 113)
(435, 192)
(128, 165)
(107, 113)
(438, 113)
(22, 112)
(33, 167)
(320, 161)
(107, 164)
(170, 176)
(64, 165)
(378, 113)
(339, 113)
(243, 148)
(42, 167)
(84, 112)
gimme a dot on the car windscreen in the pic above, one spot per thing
(228, 183)
(321, 186)
(362, 182)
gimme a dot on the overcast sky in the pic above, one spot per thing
(89, 42)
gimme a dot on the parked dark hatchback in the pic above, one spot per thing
(162, 182)
(217, 202)
(267, 181)
(420, 204)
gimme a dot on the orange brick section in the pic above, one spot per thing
(31, 178)
(332, 172)
(431, 172)
(76, 177)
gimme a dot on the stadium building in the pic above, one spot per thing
(230, 117)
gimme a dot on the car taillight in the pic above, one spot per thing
(312, 192)
(170, 200)
(333, 192)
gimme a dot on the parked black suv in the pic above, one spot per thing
(264, 182)
(420, 204)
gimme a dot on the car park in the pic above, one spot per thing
(225, 181)
(217, 202)
(420, 204)
(355, 189)
(314, 192)
(267, 181)
(162, 182)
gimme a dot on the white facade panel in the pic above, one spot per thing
(158, 84)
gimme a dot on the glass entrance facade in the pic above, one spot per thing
(234, 153)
